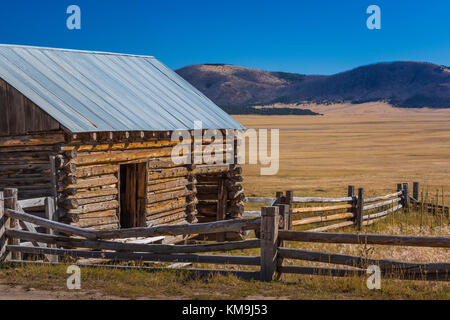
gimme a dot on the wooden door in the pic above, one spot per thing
(132, 195)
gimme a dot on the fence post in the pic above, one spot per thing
(2, 229)
(54, 181)
(50, 214)
(406, 196)
(269, 242)
(10, 195)
(359, 208)
(400, 189)
(351, 193)
(289, 200)
(279, 196)
(416, 191)
(283, 210)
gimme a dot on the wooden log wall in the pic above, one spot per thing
(90, 175)
(24, 163)
(88, 178)
(89, 182)
(170, 191)
(220, 196)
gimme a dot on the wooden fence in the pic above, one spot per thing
(19, 236)
(421, 202)
(356, 266)
(355, 209)
(24, 236)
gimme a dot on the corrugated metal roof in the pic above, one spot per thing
(90, 91)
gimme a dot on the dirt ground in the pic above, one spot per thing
(10, 291)
(18, 292)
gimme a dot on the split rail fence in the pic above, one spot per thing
(25, 236)
(354, 209)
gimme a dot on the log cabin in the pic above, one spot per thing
(93, 130)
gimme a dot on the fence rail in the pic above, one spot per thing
(198, 228)
(388, 196)
(139, 256)
(31, 203)
(64, 241)
(320, 200)
(352, 238)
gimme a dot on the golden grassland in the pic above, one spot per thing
(372, 145)
(375, 148)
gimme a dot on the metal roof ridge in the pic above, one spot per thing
(76, 50)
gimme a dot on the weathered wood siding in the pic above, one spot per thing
(24, 163)
(20, 116)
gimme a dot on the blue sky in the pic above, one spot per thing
(312, 37)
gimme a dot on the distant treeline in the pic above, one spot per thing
(422, 100)
(268, 111)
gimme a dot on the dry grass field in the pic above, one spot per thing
(371, 145)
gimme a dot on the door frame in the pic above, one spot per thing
(143, 198)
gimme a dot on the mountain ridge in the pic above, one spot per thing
(404, 84)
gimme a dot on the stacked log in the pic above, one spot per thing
(236, 194)
(168, 193)
(207, 192)
(89, 195)
(171, 195)
(192, 201)
(220, 193)
(24, 163)
(89, 183)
